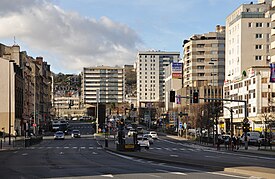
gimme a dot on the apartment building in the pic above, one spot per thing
(109, 82)
(151, 75)
(247, 72)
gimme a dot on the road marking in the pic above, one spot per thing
(108, 175)
(158, 148)
(94, 153)
(25, 154)
(66, 147)
(83, 147)
(167, 149)
(57, 147)
(40, 147)
(228, 175)
(74, 147)
(182, 149)
(99, 148)
(209, 156)
(91, 147)
(49, 147)
(178, 173)
(15, 152)
(174, 149)
(154, 176)
(173, 155)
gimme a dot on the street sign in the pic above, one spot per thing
(180, 125)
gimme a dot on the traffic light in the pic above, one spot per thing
(246, 127)
(172, 96)
(195, 97)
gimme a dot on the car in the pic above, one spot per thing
(153, 134)
(252, 137)
(139, 130)
(76, 134)
(131, 132)
(151, 140)
(59, 135)
(143, 142)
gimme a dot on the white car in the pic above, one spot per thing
(151, 140)
(153, 134)
(143, 142)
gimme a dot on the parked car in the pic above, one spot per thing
(59, 135)
(153, 134)
(143, 142)
(76, 134)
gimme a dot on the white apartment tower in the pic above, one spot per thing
(109, 82)
(150, 67)
(247, 38)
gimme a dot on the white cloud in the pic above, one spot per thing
(72, 40)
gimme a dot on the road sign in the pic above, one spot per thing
(180, 125)
(184, 125)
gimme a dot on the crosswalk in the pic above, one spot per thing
(66, 147)
(176, 149)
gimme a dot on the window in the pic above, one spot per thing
(258, 57)
(258, 47)
(200, 67)
(259, 24)
(264, 94)
(264, 80)
(268, 24)
(249, 24)
(259, 36)
(201, 74)
(200, 60)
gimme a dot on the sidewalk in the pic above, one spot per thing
(251, 149)
(13, 144)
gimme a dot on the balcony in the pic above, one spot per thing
(272, 45)
(272, 32)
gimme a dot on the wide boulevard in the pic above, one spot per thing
(85, 158)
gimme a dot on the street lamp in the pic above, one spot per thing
(10, 61)
(213, 96)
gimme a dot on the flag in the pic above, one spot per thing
(272, 73)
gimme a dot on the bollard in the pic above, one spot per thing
(1, 144)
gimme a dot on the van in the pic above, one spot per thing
(252, 137)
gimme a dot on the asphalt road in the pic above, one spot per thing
(84, 158)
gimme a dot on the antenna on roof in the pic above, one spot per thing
(14, 42)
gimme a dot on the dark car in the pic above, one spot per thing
(76, 134)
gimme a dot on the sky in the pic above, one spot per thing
(72, 34)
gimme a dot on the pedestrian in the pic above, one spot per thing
(238, 141)
(219, 143)
(234, 143)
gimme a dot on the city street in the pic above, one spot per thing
(84, 157)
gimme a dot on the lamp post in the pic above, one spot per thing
(97, 101)
(10, 61)
(212, 92)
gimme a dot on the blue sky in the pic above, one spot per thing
(71, 34)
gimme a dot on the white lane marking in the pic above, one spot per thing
(122, 156)
(178, 173)
(32, 148)
(209, 156)
(228, 175)
(94, 153)
(158, 148)
(108, 175)
(167, 149)
(61, 153)
(182, 149)
(57, 147)
(99, 148)
(66, 147)
(174, 149)
(15, 152)
(83, 147)
(49, 147)
(173, 155)
(24, 154)
(91, 147)
(40, 147)
(74, 147)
